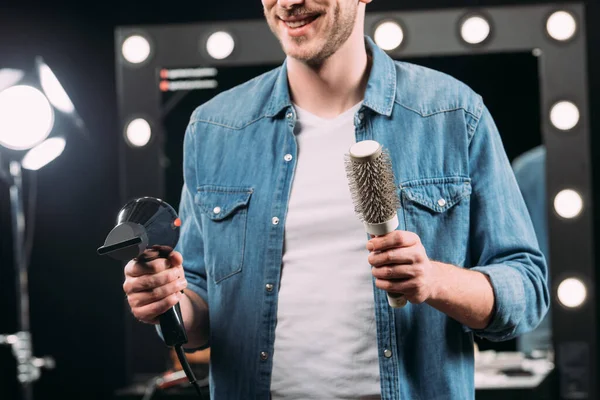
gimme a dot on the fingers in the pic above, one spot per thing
(412, 289)
(403, 255)
(397, 272)
(175, 258)
(150, 312)
(154, 283)
(395, 239)
(141, 299)
(138, 268)
(154, 252)
(406, 287)
(144, 283)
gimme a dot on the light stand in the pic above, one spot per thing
(20, 132)
(28, 366)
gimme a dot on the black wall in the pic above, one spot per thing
(77, 305)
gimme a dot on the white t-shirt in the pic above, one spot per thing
(326, 336)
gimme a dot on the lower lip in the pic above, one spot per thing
(302, 31)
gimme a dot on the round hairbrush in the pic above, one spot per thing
(373, 189)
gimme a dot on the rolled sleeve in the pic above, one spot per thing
(504, 245)
(508, 287)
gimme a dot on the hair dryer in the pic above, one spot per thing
(148, 228)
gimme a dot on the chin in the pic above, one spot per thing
(304, 51)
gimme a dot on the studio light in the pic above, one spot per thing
(136, 49)
(565, 115)
(10, 77)
(26, 117)
(568, 204)
(475, 30)
(138, 132)
(561, 26)
(572, 292)
(220, 45)
(43, 153)
(389, 35)
(53, 89)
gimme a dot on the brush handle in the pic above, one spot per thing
(395, 300)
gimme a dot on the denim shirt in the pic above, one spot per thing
(457, 190)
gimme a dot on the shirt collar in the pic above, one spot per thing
(381, 87)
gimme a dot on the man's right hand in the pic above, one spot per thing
(153, 287)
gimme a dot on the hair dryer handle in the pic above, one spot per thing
(171, 322)
(172, 328)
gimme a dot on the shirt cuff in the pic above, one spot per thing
(509, 302)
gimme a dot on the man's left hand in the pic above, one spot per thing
(401, 265)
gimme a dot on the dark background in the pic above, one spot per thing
(77, 305)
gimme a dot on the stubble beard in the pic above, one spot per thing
(343, 26)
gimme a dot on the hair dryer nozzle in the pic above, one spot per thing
(118, 246)
(142, 224)
(126, 241)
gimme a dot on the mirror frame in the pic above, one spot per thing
(563, 75)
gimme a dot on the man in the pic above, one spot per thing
(274, 261)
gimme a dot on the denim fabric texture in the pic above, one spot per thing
(458, 193)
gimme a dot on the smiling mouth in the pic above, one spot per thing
(299, 23)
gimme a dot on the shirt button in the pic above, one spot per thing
(217, 210)
(264, 355)
(288, 157)
(361, 116)
(269, 287)
(275, 221)
(289, 115)
(441, 202)
(387, 353)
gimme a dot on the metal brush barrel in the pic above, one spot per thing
(373, 189)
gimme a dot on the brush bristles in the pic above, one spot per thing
(373, 189)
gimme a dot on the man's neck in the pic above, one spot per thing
(336, 85)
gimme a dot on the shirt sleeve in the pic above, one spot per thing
(503, 242)
(191, 243)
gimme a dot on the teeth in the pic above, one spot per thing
(298, 24)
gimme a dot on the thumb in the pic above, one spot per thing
(175, 258)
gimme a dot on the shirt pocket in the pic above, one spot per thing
(224, 216)
(438, 211)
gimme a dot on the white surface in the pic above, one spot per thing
(475, 30)
(489, 366)
(568, 203)
(10, 77)
(396, 301)
(136, 49)
(572, 292)
(364, 149)
(384, 228)
(138, 132)
(220, 45)
(561, 26)
(565, 115)
(26, 117)
(54, 90)
(389, 35)
(43, 153)
(325, 339)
